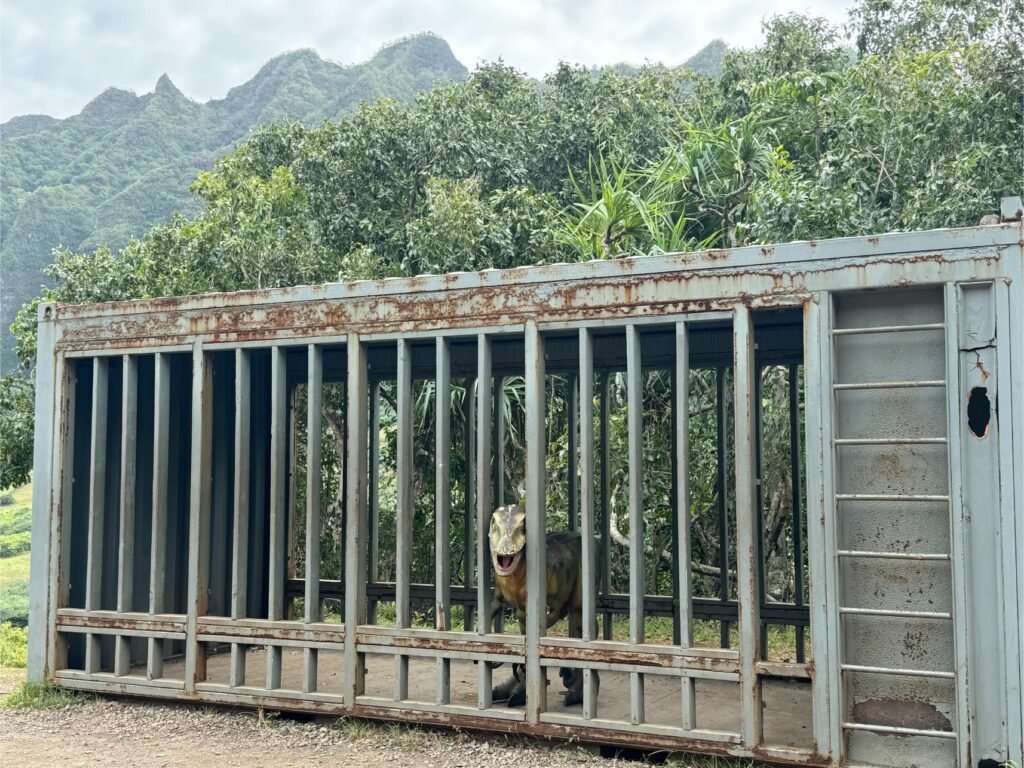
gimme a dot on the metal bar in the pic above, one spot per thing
(373, 532)
(499, 441)
(97, 503)
(469, 497)
(356, 510)
(404, 513)
(890, 385)
(442, 508)
(888, 329)
(314, 469)
(895, 614)
(959, 517)
(604, 553)
(762, 597)
(890, 555)
(573, 396)
(589, 565)
(888, 497)
(277, 549)
(126, 534)
(240, 528)
(199, 515)
(796, 495)
(893, 730)
(899, 672)
(634, 418)
(536, 521)
(748, 555)
(681, 406)
(890, 441)
(158, 540)
(483, 506)
(721, 414)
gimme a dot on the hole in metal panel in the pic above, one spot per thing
(979, 411)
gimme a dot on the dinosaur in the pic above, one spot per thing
(564, 593)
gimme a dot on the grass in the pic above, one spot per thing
(13, 646)
(43, 696)
(15, 538)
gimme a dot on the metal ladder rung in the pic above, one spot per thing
(888, 497)
(890, 555)
(930, 673)
(890, 385)
(889, 329)
(894, 730)
(889, 441)
(885, 613)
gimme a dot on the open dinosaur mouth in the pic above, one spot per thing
(505, 564)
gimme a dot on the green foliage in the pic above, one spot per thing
(43, 696)
(16, 428)
(13, 646)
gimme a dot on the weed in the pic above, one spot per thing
(43, 696)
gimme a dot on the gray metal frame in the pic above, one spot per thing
(980, 271)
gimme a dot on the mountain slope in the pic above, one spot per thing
(125, 161)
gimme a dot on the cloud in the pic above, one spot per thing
(56, 56)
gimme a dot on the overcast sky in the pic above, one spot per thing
(56, 55)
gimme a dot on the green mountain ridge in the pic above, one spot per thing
(125, 161)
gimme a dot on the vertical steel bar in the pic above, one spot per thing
(373, 532)
(605, 554)
(723, 497)
(47, 565)
(314, 464)
(158, 540)
(97, 503)
(589, 565)
(958, 516)
(54, 655)
(637, 588)
(681, 406)
(573, 396)
(442, 508)
(759, 531)
(404, 516)
(356, 511)
(240, 528)
(747, 538)
(199, 515)
(277, 554)
(469, 502)
(483, 507)
(126, 535)
(536, 522)
(499, 440)
(797, 495)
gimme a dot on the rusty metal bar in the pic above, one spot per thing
(589, 565)
(483, 504)
(54, 654)
(158, 540)
(572, 471)
(797, 495)
(357, 405)
(199, 515)
(314, 469)
(277, 548)
(536, 520)
(469, 497)
(748, 554)
(97, 503)
(373, 532)
(442, 508)
(126, 534)
(684, 580)
(888, 329)
(634, 418)
(605, 553)
(404, 513)
(721, 418)
(240, 528)
(890, 385)
(499, 442)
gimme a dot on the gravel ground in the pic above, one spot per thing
(124, 732)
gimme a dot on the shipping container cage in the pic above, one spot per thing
(796, 471)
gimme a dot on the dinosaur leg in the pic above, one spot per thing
(517, 695)
(506, 690)
(572, 679)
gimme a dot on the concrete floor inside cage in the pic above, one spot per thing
(787, 704)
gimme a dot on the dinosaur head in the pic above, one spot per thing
(508, 538)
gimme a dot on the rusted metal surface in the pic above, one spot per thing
(900, 624)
